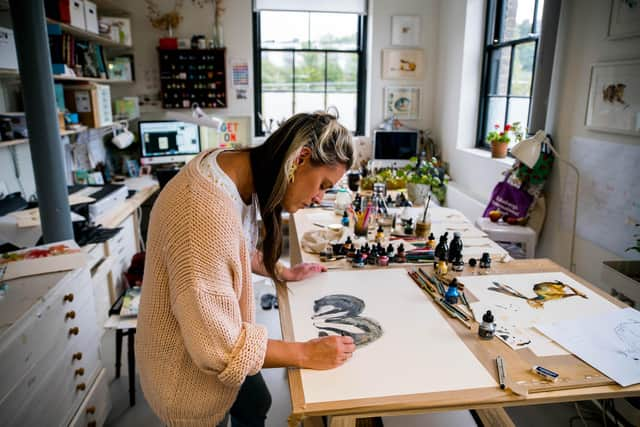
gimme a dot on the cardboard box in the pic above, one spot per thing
(59, 256)
(92, 102)
(91, 16)
(76, 14)
(8, 57)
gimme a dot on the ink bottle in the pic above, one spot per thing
(487, 328)
(452, 294)
(345, 219)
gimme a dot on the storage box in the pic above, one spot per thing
(8, 57)
(92, 102)
(76, 14)
(116, 28)
(91, 17)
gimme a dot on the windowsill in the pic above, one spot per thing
(486, 154)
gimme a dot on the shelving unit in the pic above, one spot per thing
(62, 133)
(60, 78)
(88, 36)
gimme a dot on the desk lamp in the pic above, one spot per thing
(197, 116)
(528, 152)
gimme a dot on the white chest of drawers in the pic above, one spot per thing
(49, 351)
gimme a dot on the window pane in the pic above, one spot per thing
(277, 85)
(346, 103)
(342, 72)
(309, 81)
(496, 109)
(517, 19)
(499, 71)
(337, 31)
(284, 30)
(308, 101)
(521, 76)
(277, 106)
(519, 112)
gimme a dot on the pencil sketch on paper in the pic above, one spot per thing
(628, 333)
(545, 292)
(339, 315)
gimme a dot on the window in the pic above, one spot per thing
(307, 61)
(511, 46)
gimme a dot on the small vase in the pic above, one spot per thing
(499, 149)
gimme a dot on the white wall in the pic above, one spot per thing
(381, 12)
(581, 42)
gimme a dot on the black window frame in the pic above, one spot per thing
(361, 77)
(494, 31)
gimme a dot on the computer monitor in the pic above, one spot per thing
(168, 141)
(395, 146)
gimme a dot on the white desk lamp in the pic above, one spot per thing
(528, 152)
(197, 116)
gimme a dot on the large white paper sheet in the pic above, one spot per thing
(610, 342)
(518, 316)
(418, 351)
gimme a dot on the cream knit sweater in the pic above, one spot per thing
(196, 338)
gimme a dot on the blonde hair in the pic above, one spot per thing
(330, 144)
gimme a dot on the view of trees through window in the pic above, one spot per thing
(513, 28)
(308, 62)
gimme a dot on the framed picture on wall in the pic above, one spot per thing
(402, 64)
(614, 98)
(402, 102)
(624, 19)
(405, 30)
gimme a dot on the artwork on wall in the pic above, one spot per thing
(402, 64)
(405, 30)
(402, 102)
(624, 19)
(614, 98)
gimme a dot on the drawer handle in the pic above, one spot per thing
(79, 372)
(91, 410)
(67, 298)
(74, 331)
(70, 315)
(76, 356)
(81, 387)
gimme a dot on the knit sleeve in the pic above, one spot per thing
(204, 260)
(215, 337)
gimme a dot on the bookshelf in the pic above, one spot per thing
(81, 34)
(12, 142)
(62, 78)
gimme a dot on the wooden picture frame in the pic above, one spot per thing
(624, 19)
(614, 98)
(402, 64)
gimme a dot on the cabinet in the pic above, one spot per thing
(49, 339)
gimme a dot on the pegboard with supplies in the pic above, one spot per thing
(189, 76)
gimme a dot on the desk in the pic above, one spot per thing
(345, 413)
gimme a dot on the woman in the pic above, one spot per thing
(198, 348)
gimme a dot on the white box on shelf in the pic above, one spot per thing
(91, 16)
(76, 14)
(8, 57)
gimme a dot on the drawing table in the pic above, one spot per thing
(579, 380)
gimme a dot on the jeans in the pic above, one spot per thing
(252, 404)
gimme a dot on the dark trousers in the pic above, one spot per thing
(252, 404)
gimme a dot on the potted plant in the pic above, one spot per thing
(499, 140)
(423, 178)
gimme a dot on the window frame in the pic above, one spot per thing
(494, 30)
(361, 74)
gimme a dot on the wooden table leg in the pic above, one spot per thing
(342, 421)
(495, 417)
(313, 422)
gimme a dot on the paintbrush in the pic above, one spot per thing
(426, 209)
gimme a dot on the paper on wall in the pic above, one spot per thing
(610, 342)
(410, 357)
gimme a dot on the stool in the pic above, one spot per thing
(503, 232)
(131, 359)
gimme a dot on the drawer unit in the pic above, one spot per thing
(96, 406)
(120, 248)
(47, 324)
(74, 356)
(96, 254)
